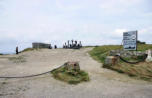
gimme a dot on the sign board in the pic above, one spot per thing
(130, 40)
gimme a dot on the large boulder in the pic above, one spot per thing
(111, 60)
(72, 66)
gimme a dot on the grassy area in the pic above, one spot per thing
(143, 47)
(142, 70)
(71, 77)
(28, 49)
(100, 52)
(88, 46)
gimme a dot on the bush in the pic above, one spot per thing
(139, 42)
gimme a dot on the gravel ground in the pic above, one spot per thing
(104, 83)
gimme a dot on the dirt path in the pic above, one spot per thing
(103, 84)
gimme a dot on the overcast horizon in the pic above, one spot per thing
(94, 22)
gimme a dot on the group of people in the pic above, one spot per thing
(69, 45)
(55, 47)
(72, 44)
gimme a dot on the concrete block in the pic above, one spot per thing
(149, 57)
(111, 60)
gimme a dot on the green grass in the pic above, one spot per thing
(28, 49)
(142, 70)
(71, 77)
(99, 53)
(88, 46)
(143, 47)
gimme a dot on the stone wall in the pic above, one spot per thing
(124, 53)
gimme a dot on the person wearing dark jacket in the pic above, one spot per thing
(55, 46)
(17, 50)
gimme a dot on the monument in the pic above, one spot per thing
(72, 66)
(149, 57)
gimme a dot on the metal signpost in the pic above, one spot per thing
(130, 40)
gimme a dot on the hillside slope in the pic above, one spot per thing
(103, 83)
(141, 70)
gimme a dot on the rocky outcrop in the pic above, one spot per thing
(124, 53)
(72, 66)
(111, 60)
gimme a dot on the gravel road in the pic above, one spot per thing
(104, 83)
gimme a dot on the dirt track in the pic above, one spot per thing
(103, 84)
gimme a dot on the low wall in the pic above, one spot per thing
(124, 53)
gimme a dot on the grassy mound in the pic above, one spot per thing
(141, 70)
(71, 77)
(99, 53)
(28, 49)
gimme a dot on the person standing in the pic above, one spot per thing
(80, 44)
(65, 45)
(55, 47)
(75, 42)
(68, 44)
(17, 50)
(72, 42)
(50, 47)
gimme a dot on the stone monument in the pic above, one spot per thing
(111, 60)
(72, 66)
(149, 57)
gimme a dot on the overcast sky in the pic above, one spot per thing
(94, 22)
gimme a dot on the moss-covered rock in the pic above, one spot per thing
(71, 77)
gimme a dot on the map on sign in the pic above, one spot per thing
(130, 40)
